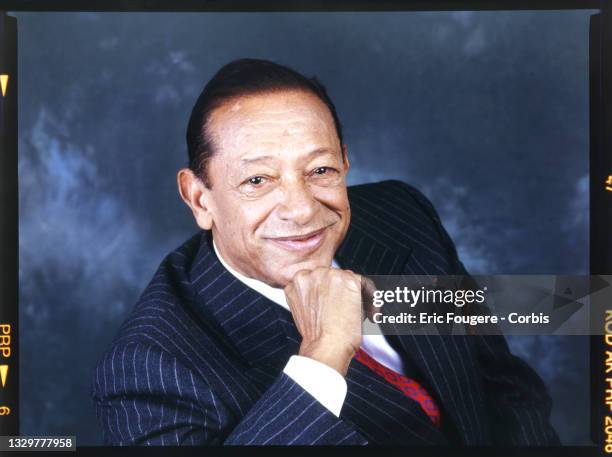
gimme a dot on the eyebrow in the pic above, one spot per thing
(313, 153)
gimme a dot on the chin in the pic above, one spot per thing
(286, 264)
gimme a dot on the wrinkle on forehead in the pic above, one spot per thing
(260, 121)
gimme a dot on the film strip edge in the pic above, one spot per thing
(9, 232)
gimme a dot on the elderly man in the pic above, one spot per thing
(250, 332)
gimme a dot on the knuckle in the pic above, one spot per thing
(336, 276)
(352, 277)
(301, 275)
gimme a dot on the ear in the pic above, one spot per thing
(197, 196)
(345, 160)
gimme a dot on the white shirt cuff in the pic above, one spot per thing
(324, 383)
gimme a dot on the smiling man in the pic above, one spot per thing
(276, 199)
(250, 332)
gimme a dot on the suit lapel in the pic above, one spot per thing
(248, 320)
(364, 254)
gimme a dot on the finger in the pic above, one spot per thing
(298, 278)
(297, 290)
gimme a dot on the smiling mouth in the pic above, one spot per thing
(307, 242)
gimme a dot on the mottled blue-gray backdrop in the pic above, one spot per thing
(485, 112)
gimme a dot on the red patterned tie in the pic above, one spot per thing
(408, 386)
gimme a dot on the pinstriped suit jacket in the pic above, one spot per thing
(200, 358)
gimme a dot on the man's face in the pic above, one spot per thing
(278, 198)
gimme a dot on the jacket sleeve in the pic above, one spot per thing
(287, 414)
(517, 399)
(146, 396)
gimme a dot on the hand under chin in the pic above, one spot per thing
(283, 274)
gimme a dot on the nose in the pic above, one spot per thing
(298, 205)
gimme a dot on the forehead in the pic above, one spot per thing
(278, 123)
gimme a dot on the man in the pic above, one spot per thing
(250, 333)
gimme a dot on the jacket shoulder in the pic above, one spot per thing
(393, 197)
(394, 209)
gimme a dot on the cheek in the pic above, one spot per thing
(334, 198)
(247, 218)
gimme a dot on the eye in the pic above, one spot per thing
(321, 170)
(255, 180)
(324, 176)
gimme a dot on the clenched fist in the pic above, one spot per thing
(326, 304)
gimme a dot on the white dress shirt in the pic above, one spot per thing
(324, 383)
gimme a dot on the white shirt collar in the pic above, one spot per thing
(271, 293)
